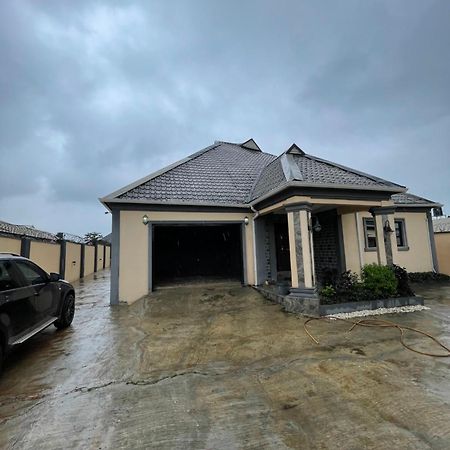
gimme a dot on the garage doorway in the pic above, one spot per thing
(196, 253)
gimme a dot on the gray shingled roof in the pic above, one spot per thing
(408, 199)
(236, 174)
(223, 174)
(308, 169)
(25, 230)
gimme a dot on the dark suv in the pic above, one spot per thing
(30, 300)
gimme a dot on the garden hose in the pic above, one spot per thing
(384, 324)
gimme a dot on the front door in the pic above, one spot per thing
(282, 247)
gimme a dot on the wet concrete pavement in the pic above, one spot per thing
(220, 367)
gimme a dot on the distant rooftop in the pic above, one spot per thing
(441, 225)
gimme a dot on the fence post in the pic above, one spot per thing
(25, 244)
(82, 260)
(95, 257)
(62, 258)
(104, 255)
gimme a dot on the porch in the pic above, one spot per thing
(301, 246)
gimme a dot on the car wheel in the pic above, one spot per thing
(67, 313)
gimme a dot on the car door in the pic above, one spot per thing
(17, 313)
(45, 293)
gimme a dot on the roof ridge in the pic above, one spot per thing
(258, 177)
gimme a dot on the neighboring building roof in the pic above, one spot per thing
(230, 174)
(107, 238)
(441, 225)
(407, 199)
(26, 230)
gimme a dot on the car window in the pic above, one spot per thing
(7, 278)
(32, 273)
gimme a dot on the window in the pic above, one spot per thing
(400, 234)
(32, 273)
(7, 279)
(370, 235)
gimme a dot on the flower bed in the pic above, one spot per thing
(375, 283)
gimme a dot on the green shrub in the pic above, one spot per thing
(403, 287)
(379, 280)
(328, 291)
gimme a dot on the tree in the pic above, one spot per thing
(93, 237)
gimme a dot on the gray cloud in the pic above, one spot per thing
(96, 94)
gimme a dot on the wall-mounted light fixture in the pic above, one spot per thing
(246, 220)
(387, 227)
(145, 219)
(314, 225)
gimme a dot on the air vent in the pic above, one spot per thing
(251, 145)
(294, 149)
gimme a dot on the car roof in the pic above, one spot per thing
(7, 255)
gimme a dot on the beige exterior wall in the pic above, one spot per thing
(134, 260)
(10, 245)
(73, 261)
(45, 255)
(108, 257)
(443, 251)
(99, 257)
(89, 256)
(417, 259)
(351, 244)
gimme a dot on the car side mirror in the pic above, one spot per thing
(54, 277)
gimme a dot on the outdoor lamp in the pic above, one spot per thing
(246, 220)
(316, 225)
(145, 219)
(387, 227)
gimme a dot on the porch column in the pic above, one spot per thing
(301, 251)
(386, 240)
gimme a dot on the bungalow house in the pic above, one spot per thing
(233, 211)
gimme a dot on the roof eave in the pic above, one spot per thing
(119, 201)
(391, 189)
(418, 205)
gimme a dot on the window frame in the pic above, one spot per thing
(43, 274)
(15, 276)
(366, 240)
(405, 246)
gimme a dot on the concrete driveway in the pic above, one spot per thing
(223, 368)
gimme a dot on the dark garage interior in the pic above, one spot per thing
(196, 252)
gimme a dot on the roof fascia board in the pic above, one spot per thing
(179, 208)
(143, 180)
(417, 205)
(118, 201)
(327, 186)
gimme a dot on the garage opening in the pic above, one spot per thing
(196, 253)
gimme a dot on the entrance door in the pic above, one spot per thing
(282, 247)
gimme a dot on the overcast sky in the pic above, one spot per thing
(94, 95)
